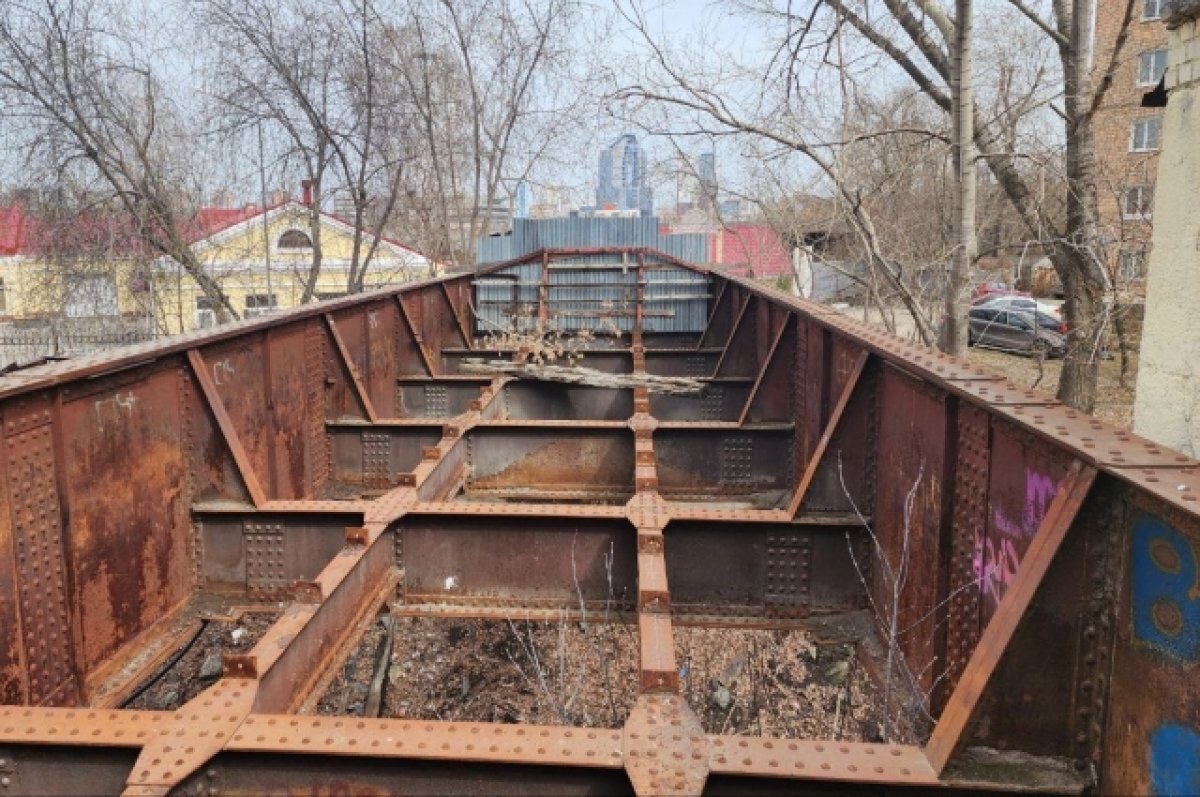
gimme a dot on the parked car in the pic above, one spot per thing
(1047, 314)
(985, 291)
(1013, 330)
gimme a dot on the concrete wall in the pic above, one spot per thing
(1167, 407)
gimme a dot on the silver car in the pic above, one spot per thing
(1010, 330)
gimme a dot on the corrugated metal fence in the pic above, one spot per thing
(530, 235)
(597, 293)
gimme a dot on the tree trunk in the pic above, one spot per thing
(1076, 259)
(953, 338)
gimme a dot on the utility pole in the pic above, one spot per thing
(262, 184)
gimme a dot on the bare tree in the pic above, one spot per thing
(918, 40)
(1073, 244)
(489, 84)
(962, 85)
(695, 101)
(310, 72)
(81, 93)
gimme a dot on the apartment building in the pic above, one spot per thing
(1128, 136)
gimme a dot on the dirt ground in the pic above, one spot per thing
(776, 683)
(183, 681)
(737, 681)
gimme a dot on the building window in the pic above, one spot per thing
(3, 298)
(1152, 9)
(260, 304)
(206, 317)
(326, 295)
(294, 239)
(1138, 202)
(90, 296)
(1151, 66)
(1145, 134)
(1131, 265)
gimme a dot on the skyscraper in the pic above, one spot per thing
(521, 201)
(621, 177)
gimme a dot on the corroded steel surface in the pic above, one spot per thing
(331, 459)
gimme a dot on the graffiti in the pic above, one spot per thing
(995, 565)
(1174, 760)
(373, 319)
(111, 410)
(1166, 591)
(223, 367)
(1040, 490)
(997, 556)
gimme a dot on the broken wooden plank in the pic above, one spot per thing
(579, 375)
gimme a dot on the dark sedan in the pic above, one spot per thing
(1009, 330)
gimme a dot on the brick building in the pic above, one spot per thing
(1127, 135)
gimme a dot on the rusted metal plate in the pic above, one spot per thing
(1053, 629)
(910, 511)
(852, 762)
(741, 355)
(435, 398)
(177, 746)
(382, 367)
(771, 397)
(547, 401)
(239, 381)
(845, 478)
(287, 372)
(969, 527)
(1152, 733)
(697, 463)
(1095, 441)
(316, 443)
(465, 560)
(211, 472)
(665, 750)
(130, 544)
(722, 400)
(40, 563)
(555, 459)
(770, 571)
(252, 774)
(459, 741)
(14, 677)
(1024, 476)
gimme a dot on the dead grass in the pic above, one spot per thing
(1114, 402)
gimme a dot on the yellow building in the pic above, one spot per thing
(262, 261)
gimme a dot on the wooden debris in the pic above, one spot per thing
(579, 375)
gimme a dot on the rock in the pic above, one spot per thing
(722, 697)
(169, 701)
(837, 672)
(210, 668)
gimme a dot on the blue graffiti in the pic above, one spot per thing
(1174, 761)
(1166, 591)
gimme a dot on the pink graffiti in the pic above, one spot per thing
(995, 559)
(995, 565)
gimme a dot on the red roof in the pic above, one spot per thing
(24, 233)
(213, 220)
(749, 250)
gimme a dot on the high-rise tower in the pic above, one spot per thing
(621, 177)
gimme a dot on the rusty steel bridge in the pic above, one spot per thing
(335, 458)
